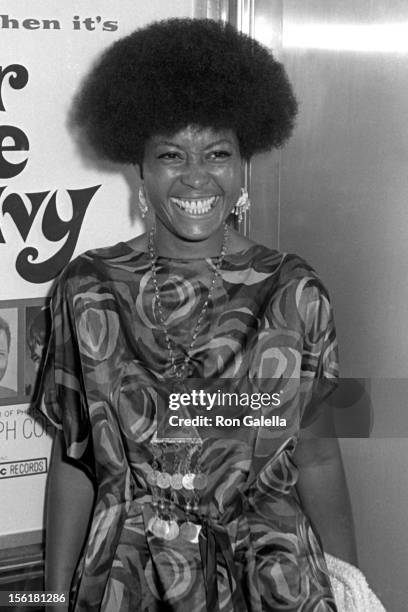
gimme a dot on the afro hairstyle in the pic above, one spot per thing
(180, 72)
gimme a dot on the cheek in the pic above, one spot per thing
(234, 184)
(157, 185)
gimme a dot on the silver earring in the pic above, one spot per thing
(143, 206)
(243, 205)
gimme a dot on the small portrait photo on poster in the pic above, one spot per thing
(8, 353)
(37, 328)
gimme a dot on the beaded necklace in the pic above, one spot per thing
(175, 476)
(179, 372)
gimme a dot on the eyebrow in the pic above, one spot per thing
(169, 143)
(218, 142)
(166, 142)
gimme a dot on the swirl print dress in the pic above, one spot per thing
(270, 323)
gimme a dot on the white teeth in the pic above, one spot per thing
(195, 206)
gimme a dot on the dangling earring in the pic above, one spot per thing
(143, 206)
(243, 205)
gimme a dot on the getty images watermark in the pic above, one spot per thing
(319, 407)
(196, 401)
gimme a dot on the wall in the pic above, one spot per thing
(342, 205)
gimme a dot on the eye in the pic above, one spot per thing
(219, 155)
(170, 156)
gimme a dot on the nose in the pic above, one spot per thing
(195, 174)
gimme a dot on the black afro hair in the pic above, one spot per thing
(180, 72)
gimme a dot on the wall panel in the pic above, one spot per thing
(343, 186)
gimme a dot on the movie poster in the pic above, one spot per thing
(56, 201)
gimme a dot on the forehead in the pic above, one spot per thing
(195, 137)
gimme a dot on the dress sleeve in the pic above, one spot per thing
(63, 399)
(320, 367)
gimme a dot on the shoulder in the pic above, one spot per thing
(301, 277)
(307, 295)
(290, 272)
(94, 265)
(295, 268)
(94, 276)
(298, 291)
(291, 268)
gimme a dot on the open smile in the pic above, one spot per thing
(196, 206)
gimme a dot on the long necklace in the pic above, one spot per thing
(179, 372)
(177, 479)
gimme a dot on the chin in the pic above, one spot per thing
(199, 230)
(195, 236)
(204, 232)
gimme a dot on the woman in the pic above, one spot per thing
(197, 518)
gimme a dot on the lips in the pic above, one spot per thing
(195, 206)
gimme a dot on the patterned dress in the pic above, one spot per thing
(269, 324)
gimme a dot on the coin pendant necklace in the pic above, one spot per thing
(185, 482)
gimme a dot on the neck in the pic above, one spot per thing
(169, 245)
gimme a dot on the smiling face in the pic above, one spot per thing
(192, 180)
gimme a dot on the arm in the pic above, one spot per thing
(323, 492)
(69, 502)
